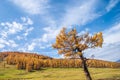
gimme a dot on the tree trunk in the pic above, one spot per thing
(88, 77)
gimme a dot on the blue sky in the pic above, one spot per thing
(32, 25)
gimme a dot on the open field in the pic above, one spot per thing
(10, 73)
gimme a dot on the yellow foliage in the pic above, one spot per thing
(68, 54)
(71, 41)
(79, 53)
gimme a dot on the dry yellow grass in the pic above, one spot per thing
(11, 73)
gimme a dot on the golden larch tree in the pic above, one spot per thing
(71, 44)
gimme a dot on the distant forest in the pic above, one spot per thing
(33, 61)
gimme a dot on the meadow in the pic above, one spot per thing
(11, 73)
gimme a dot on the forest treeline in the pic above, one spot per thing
(33, 61)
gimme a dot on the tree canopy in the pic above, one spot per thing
(71, 43)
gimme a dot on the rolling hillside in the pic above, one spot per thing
(33, 61)
(5, 54)
(32, 66)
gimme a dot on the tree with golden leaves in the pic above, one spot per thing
(72, 44)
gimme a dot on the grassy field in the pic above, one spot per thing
(10, 73)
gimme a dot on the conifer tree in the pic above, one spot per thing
(28, 68)
(71, 44)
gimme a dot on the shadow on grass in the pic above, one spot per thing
(1, 74)
(17, 79)
(110, 79)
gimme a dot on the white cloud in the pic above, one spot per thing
(38, 43)
(13, 31)
(11, 28)
(50, 33)
(32, 6)
(28, 31)
(80, 14)
(112, 35)
(12, 43)
(84, 31)
(27, 20)
(111, 46)
(9, 43)
(111, 4)
(109, 52)
(74, 15)
(19, 37)
(2, 45)
(3, 41)
(31, 47)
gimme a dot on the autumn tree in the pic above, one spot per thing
(72, 44)
(29, 67)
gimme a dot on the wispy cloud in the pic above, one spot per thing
(28, 31)
(31, 47)
(50, 33)
(111, 4)
(109, 52)
(110, 49)
(32, 6)
(80, 14)
(50, 22)
(15, 30)
(9, 43)
(75, 15)
(112, 35)
(11, 28)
